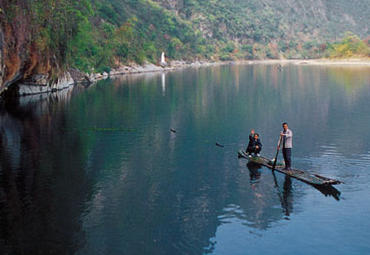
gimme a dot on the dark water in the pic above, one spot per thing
(98, 171)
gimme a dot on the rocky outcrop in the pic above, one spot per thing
(79, 77)
(24, 68)
(41, 84)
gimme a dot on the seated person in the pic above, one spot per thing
(254, 145)
(251, 138)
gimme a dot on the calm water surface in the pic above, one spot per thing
(97, 170)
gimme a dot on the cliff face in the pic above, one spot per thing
(22, 59)
(13, 46)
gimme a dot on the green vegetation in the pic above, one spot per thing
(97, 35)
(351, 46)
(120, 32)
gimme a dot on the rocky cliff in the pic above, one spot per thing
(24, 60)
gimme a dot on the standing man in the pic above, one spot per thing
(286, 138)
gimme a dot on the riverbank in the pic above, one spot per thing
(40, 84)
(174, 65)
(150, 68)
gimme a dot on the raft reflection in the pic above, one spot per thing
(285, 196)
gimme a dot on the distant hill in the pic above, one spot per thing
(46, 36)
(291, 27)
(263, 20)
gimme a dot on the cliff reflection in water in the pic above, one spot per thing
(42, 179)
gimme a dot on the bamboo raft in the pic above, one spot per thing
(301, 175)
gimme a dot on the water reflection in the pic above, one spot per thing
(285, 197)
(328, 191)
(163, 84)
(68, 187)
(42, 184)
(254, 172)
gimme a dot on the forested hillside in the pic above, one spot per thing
(271, 28)
(47, 36)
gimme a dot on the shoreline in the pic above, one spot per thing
(314, 62)
(151, 68)
(74, 77)
(178, 65)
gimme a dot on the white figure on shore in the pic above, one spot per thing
(163, 60)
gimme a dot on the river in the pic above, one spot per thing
(98, 170)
